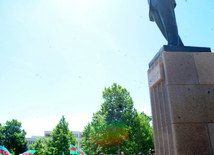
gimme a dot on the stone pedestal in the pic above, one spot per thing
(182, 100)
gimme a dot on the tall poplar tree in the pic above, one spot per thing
(62, 137)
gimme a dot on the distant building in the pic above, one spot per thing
(47, 134)
(78, 135)
(32, 140)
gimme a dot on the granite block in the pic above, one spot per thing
(167, 107)
(162, 119)
(204, 63)
(211, 135)
(191, 139)
(171, 142)
(166, 119)
(191, 103)
(159, 120)
(166, 48)
(154, 118)
(179, 68)
(183, 104)
(162, 106)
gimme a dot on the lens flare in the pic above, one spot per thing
(109, 134)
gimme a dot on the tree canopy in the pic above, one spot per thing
(61, 138)
(13, 137)
(117, 126)
(39, 146)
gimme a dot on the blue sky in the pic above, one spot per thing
(56, 56)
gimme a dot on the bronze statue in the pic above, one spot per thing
(162, 12)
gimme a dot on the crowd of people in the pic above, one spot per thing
(152, 152)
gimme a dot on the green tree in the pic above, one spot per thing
(146, 131)
(39, 146)
(117, 104)
(88, 147)
(13, 137)
(141, 134)
(48, 147)
(117, 110)
(62, 137)
(118, 126)
(1, 134)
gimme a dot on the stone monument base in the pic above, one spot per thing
(182, 100)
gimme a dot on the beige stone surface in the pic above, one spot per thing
(165, 119)
(166, 112)
(183, 104)
(154, 118)
(191, 139)
(191, 103)
(179, 68)
(204, 63)
(163, 116)
(171, 148)
(211, 135)
(159, 120)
